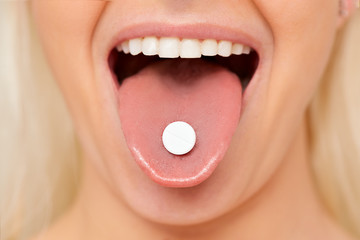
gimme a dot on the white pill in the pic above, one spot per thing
(179, 138)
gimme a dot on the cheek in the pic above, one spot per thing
(67, 21)
(292, 19)
(65, 29)
(303, 31)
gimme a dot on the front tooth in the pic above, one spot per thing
(190, 48)
(209, 47)
(246, 50)
(169, 47)
(125, 47)
(135, 46)
(237, 49)
(150, 46)
(224, 48)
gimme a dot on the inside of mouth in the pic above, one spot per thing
(125, 65)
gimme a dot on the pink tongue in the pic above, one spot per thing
(206, 96)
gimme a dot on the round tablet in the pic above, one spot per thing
(179, 138)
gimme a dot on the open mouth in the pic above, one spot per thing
(197, 82)
(130, 56)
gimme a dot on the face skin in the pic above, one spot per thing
(264, 177)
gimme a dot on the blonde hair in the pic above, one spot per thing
(334, 118)
(36, 132)
(33, 191)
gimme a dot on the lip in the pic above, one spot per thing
(197, 31)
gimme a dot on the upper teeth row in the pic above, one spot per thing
(172, 47)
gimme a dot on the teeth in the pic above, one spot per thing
(237, 49)
(190, 48)
(209, 47)
(119, 48)
(169, 47)
(150, 46)
(125, 47)
(135, 46)
(246, 50)
(172, 47)
(224, 49)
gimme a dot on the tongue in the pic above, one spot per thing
(206, 96)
